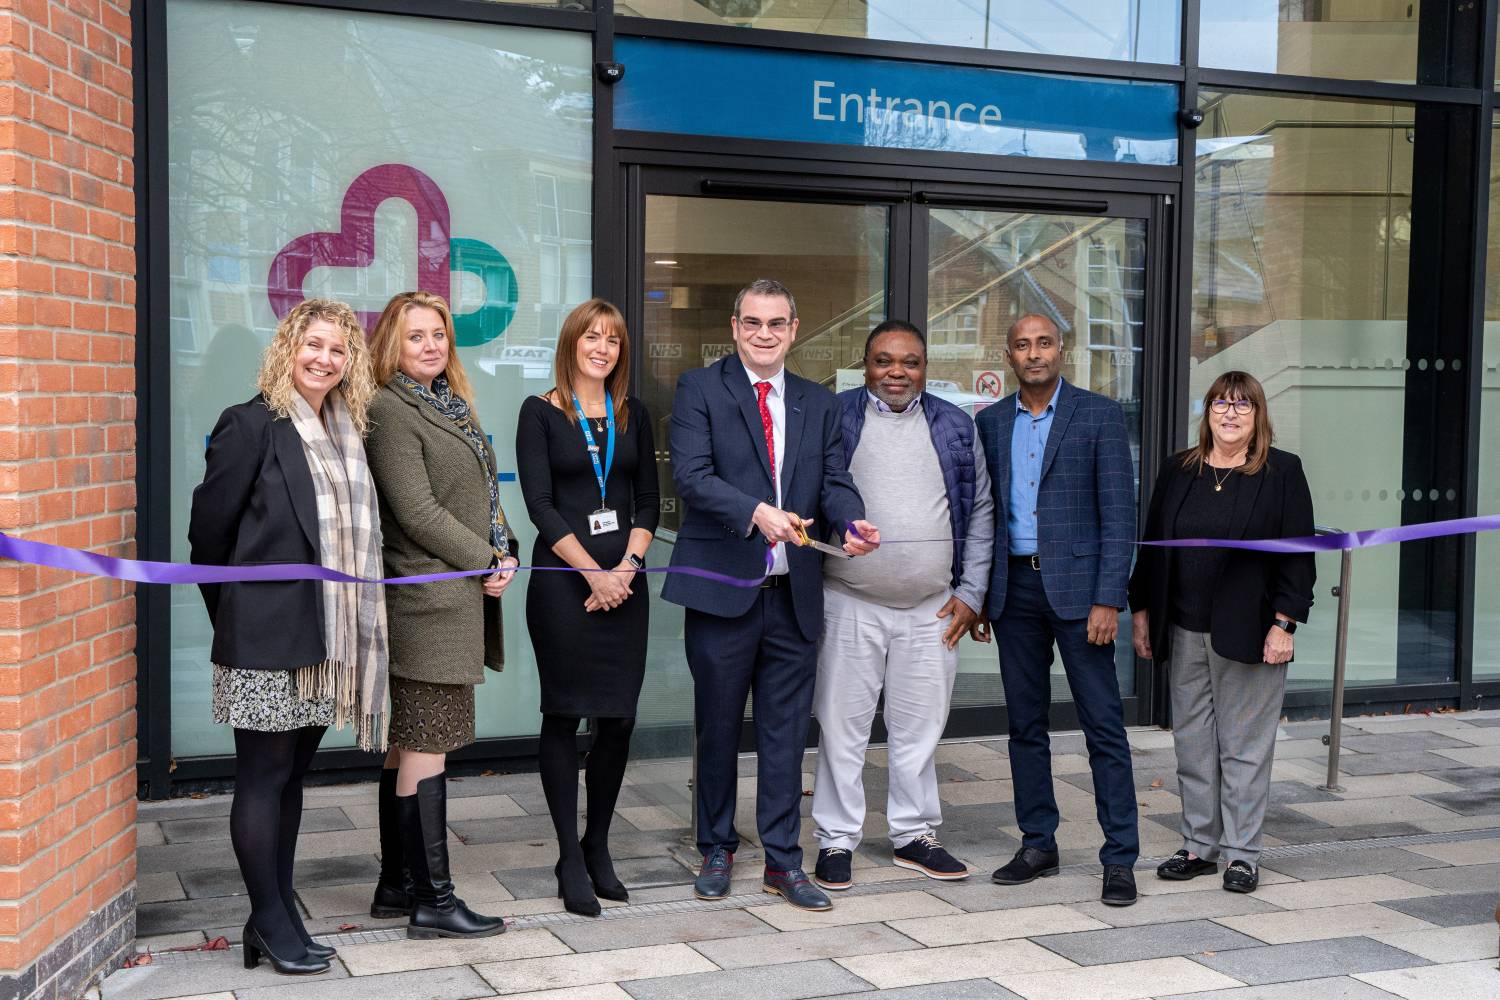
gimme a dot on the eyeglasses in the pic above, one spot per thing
(1241, 406)
(752, 325)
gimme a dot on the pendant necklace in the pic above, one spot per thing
(1219, 483)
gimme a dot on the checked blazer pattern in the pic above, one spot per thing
(1086, 502)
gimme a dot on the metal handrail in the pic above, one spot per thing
(1340, 656)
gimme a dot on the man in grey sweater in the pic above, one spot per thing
(893, 620)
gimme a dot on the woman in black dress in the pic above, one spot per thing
(585, 438)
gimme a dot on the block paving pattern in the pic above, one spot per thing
(1385, 889)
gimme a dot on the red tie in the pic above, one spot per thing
(762, 389)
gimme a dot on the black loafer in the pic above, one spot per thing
(1241, 876)
(1028, 865)
(1119, 886)
(1181, 866)
(794, 886)
(713, 878)
(833, 869)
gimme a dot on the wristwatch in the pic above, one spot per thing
(1286, 626)
(636, 560)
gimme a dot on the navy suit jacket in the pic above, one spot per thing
(1086, 502)
(722, 473)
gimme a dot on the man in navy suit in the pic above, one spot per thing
(1063, 484)
(757, 454)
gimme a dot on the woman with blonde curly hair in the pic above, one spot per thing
(287, 482)
(440, 511)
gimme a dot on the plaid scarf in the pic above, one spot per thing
(456, 409)
(354, 674)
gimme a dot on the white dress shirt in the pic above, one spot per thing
(776, 403)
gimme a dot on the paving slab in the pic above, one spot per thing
(1280, 963)
(1487, 756)
(1455, 878)
(183, 831)
(1469, 802)
(979, 893)
(224, 971)
(148, 834)
(996, 925)
(770, 982)
(1421, 739)
(624, 965)
(801, 946)
(474, 888)
(1340, 891)
(453, 983)
(191, 914)
(1464, 943)
(1451, 910)
(1460, 981)
(654, 818)
(1120, 981)
(1351, 812)
(1321, 923)
(1463, 852)
(1173, 907)
(1147, 884)
(856, 910)
(1147, 941)
(665, 928)
(1332, 988)
(953, 963)
(1369, 786)
(1336, 864)
(1392, 763)
(204, 882)
(409, 956)
(158, 887)
(596, 991)
(968, 989)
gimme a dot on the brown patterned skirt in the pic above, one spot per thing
(431, 718)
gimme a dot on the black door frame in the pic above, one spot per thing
(662, 168)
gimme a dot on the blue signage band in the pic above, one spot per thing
(588, 436)
(781, 95)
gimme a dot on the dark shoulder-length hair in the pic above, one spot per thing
(1235, 385)
(565, 362)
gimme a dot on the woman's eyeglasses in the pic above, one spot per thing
(1241, 406)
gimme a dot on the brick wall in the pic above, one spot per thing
(67, 471)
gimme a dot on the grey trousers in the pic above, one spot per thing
(1224, 717)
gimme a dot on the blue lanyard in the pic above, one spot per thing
(600, 474)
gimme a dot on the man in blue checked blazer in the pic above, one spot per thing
(1064, 493)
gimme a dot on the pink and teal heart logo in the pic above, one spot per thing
(439, 253)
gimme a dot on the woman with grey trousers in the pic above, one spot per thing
(439, 511)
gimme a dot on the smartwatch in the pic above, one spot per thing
(636, 560)
(1288, 627)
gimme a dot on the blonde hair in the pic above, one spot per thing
(276, 380)
(565, 361)
(390, 328)
(1234, 385)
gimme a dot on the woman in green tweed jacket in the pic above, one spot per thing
(439, 511)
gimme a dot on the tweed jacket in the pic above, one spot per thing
(435, 516)
(1085, 502)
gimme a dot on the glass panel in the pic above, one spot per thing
(699, 253)
(1135, 30)
(1487, 570)
(280, 115)
(1088, 274)
(1300, 260)
(1346, 39)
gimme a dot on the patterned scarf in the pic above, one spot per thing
(354, 674)
(456, 409)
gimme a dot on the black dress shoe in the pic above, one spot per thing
(1119, 886)
(324, 951)
(1028, 865)
(833, 869)
(794, 886)
(1241, 876)
(713, 878)
(575, 887)
(601, 869)
(1180, 867)
(303, 965)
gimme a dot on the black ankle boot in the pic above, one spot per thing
(393, 891)
(436, 911)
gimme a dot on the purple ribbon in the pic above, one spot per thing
(146, 571)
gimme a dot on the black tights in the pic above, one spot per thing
(263, 825)
(557, 758)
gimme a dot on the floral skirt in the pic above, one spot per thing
(431, 718)
(265, 700)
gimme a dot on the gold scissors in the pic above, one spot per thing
(822, 547)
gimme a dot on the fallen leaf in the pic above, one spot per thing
(219, 943)
(144, 958)
(1156, 783)
(351, 927)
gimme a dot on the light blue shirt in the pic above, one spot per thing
(1028, 443)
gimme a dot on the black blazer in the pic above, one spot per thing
(1253, 586)
(255, 507)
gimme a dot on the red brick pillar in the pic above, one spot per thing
(67, 475)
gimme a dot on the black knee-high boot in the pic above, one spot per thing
(603, 773)
(436, 911)
(393, 891)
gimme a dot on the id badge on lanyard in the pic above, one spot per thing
(602, 521)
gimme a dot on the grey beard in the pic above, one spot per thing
(895, 402)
